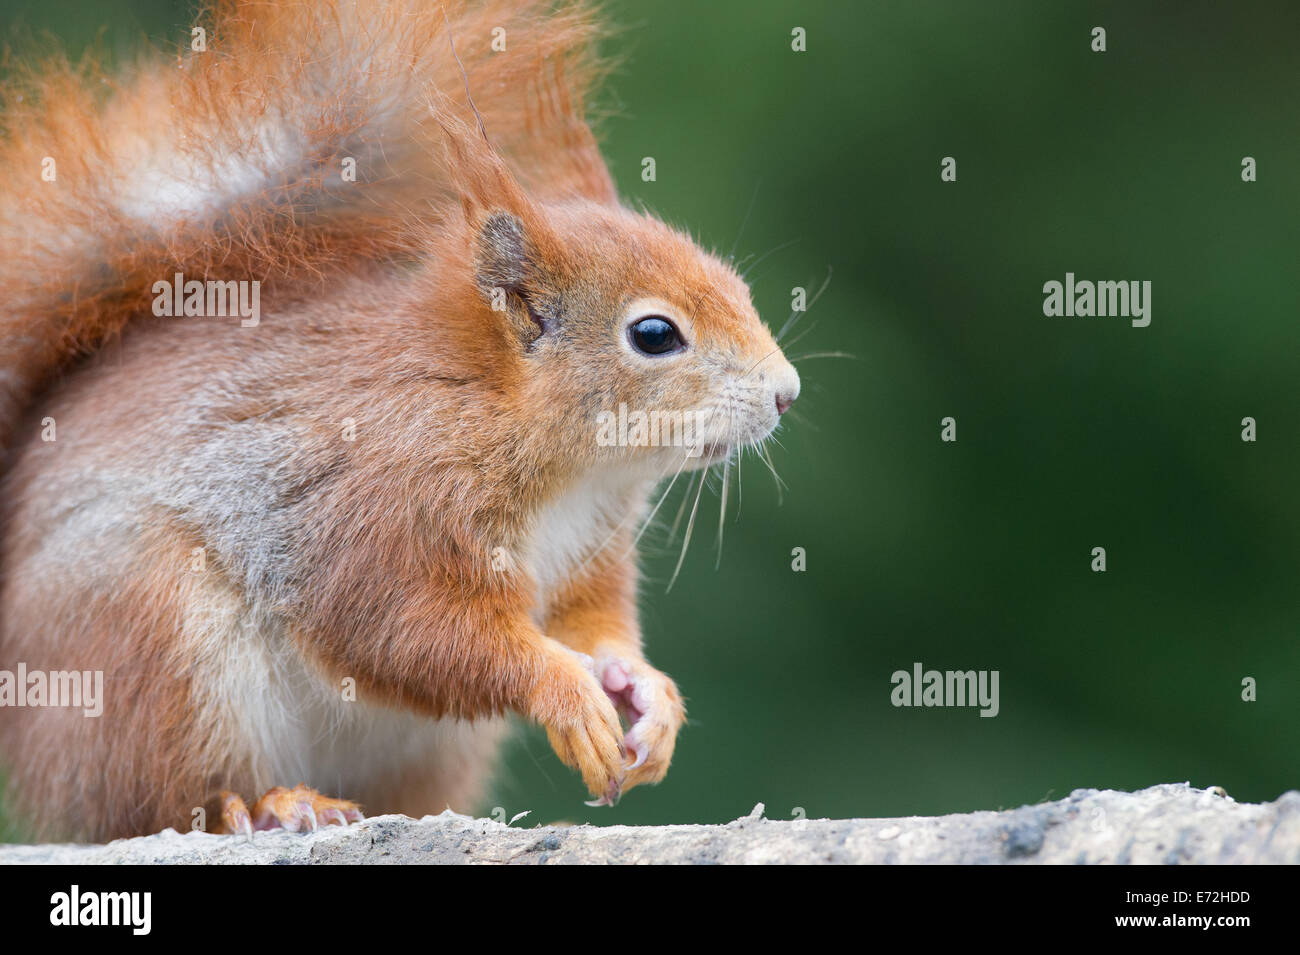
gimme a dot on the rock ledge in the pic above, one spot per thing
(1166, 824)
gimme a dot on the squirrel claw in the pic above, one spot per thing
(235, 818)
(642, 753)
(294, 810)
(611, 797)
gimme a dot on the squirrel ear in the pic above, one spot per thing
(501, 259)
(507, 274)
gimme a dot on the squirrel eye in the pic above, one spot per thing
(655, 335)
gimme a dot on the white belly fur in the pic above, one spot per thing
(267, 704)
(572, 528)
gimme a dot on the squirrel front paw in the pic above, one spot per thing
(581, 722)
(298, 809)
(649, 701)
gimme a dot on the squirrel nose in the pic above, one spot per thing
(787, 387)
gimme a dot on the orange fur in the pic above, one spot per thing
(375, 80)
(459, 554)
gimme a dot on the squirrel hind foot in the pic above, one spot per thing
(295, 810)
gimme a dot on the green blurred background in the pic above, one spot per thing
(1072, 433)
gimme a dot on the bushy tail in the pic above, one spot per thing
(306, 138)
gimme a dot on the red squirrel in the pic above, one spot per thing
(335, 538)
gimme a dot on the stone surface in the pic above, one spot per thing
(1168, 824)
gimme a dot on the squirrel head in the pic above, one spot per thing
(628, 346)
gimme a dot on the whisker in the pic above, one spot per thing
(726, 484)
(644, 524)
(740, 483)
(655, 510)
(744, 222)
(755, 264)
(681, 508)
(794, 315)
(690, 526)
(803, 421)
(767, 458)
(823, 354)
(801, 336)
(774, 351)
(722, 508)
